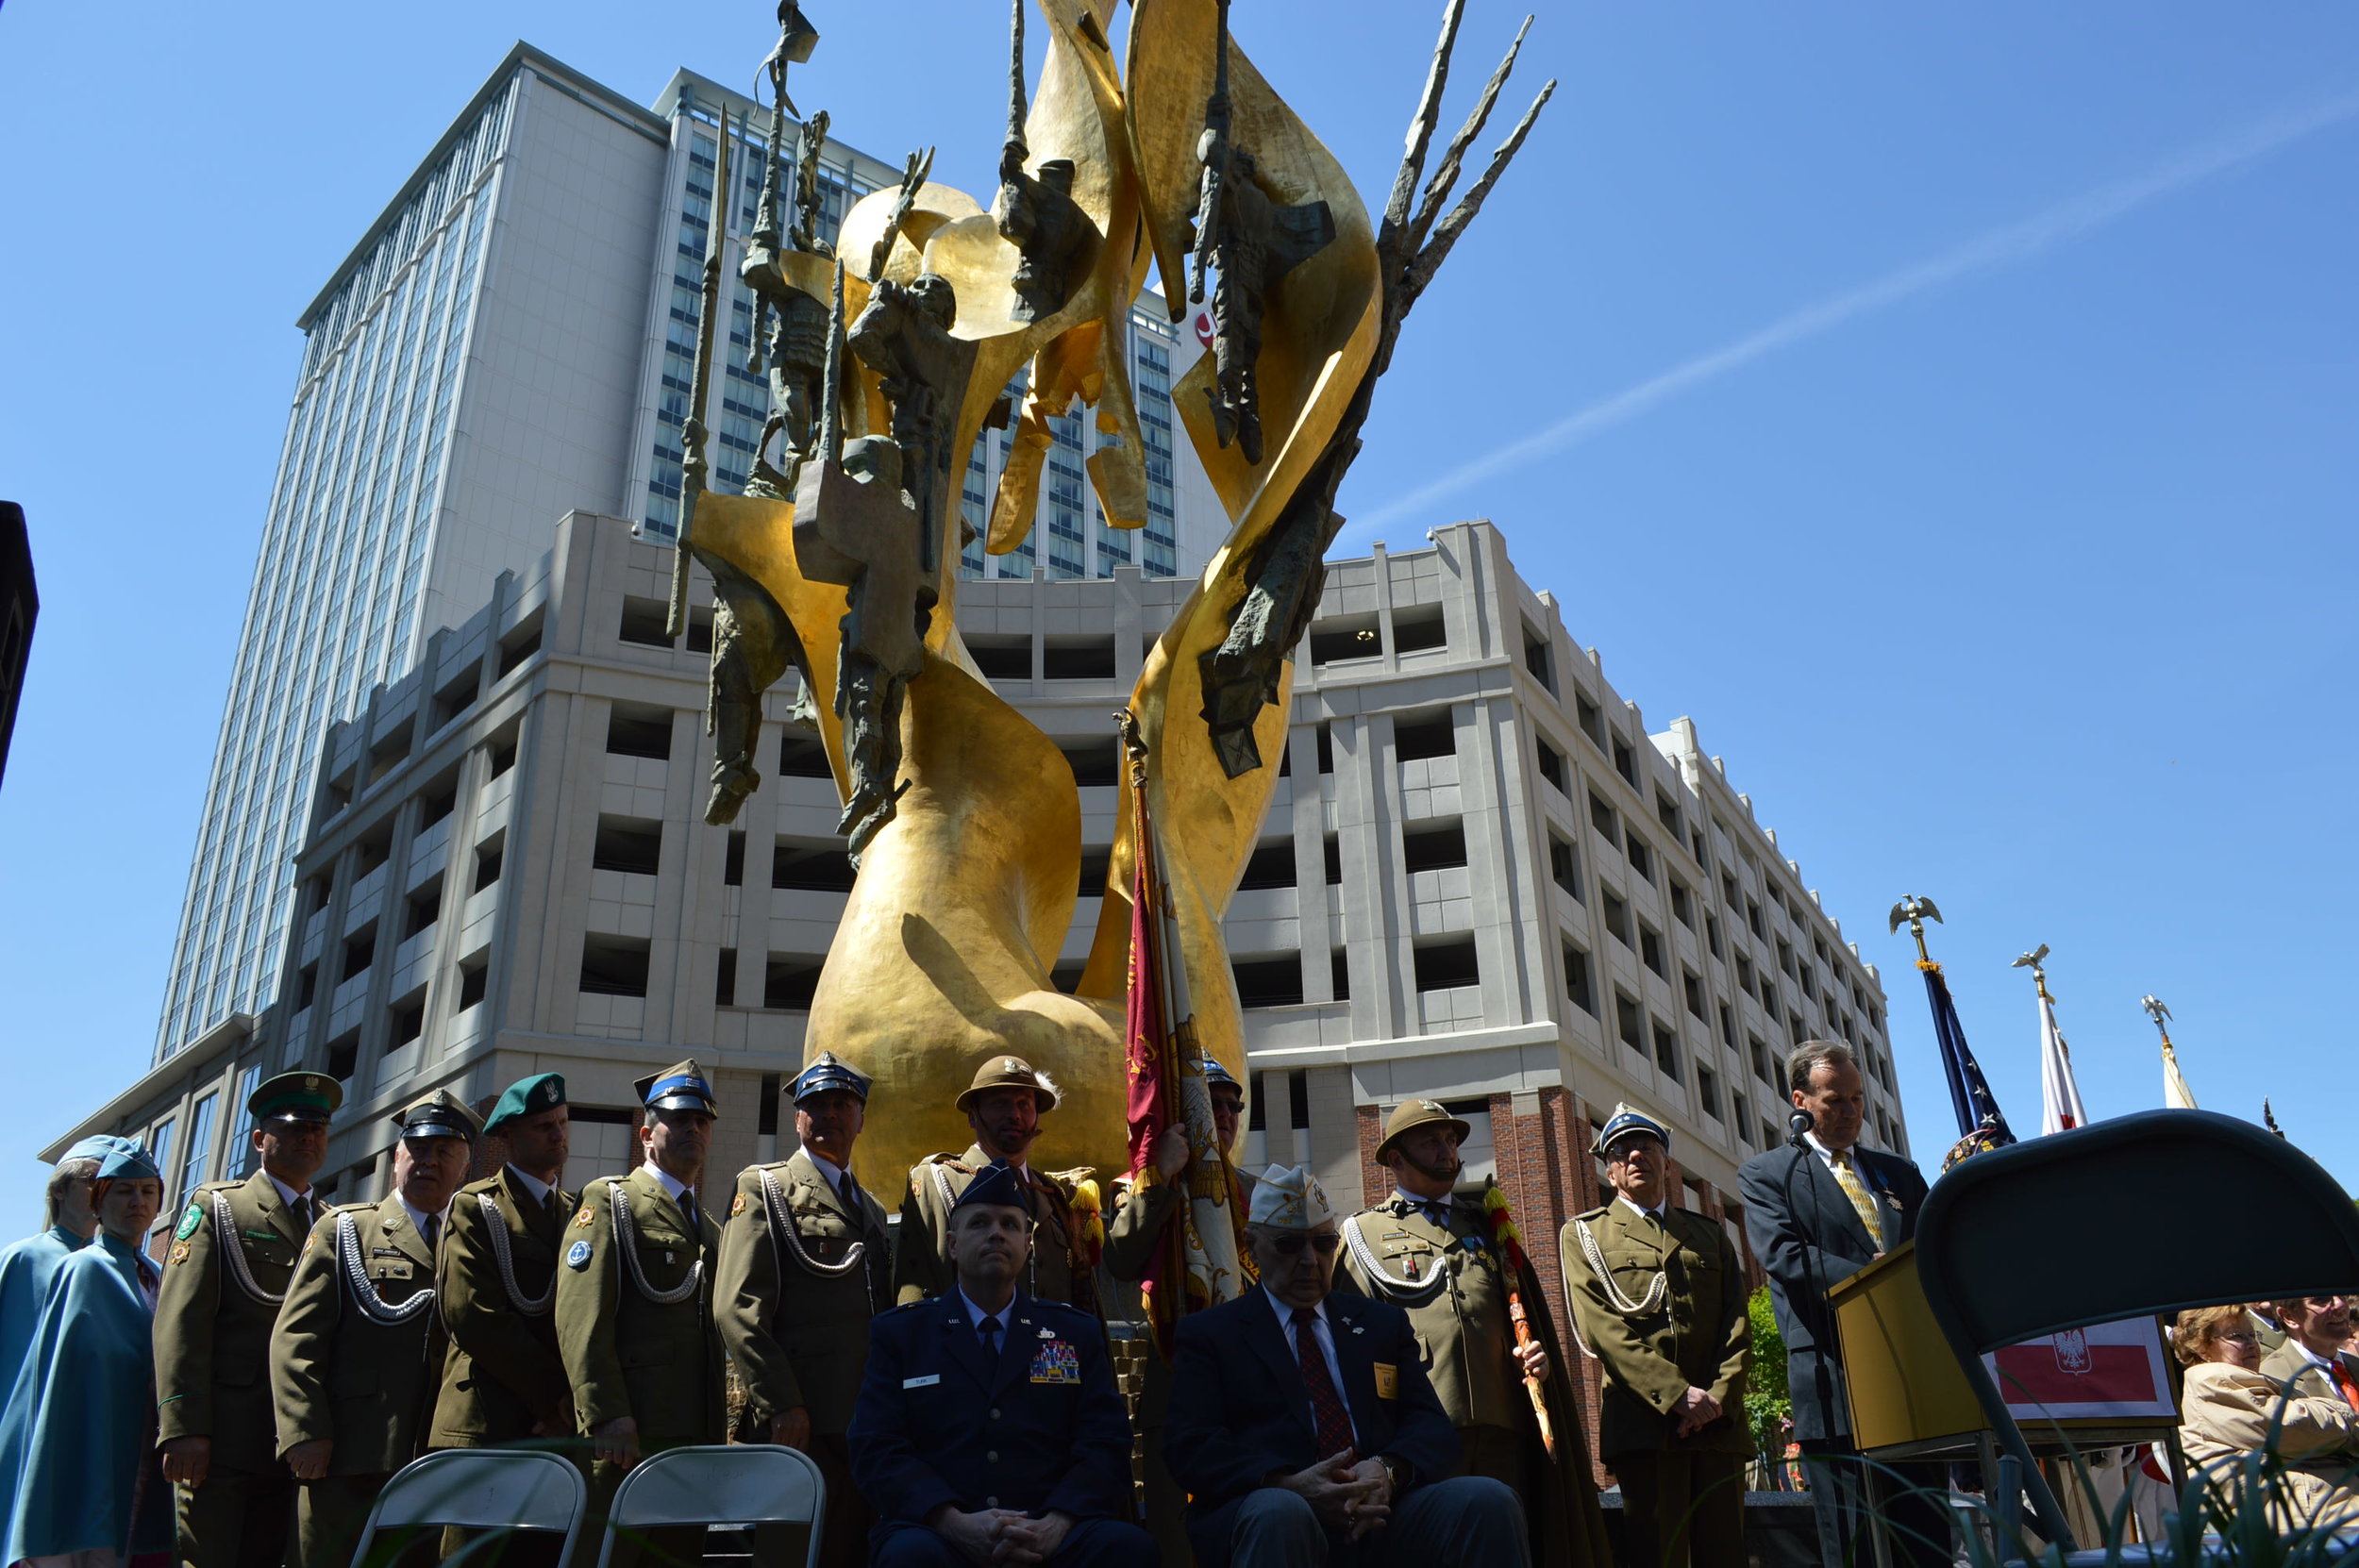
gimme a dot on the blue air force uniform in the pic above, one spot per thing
(1040, 1427)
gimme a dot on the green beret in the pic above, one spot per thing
(527, 1098)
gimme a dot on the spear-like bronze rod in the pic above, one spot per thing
(694, 467)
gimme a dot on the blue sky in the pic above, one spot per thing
(2013, 568)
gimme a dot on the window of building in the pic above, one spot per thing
(407, 1020)
(1712, 938)
(1683, 907)
(1692, 992)
(344, 1056)
(1616, 916)
(1768, 998)
(487, 861)
(1332, 848)
(475, 972)
(1419, 735)
(388, 753)
(1668, 811)
(1728, 1023)
(802, 755)
(1580, 984)
(1565, 865)
(789, 981)
(1785, 957)
(1743, 974)
(1327, 748)
(440, 799)
(1641, 856)
(814, 865)
(1097, 864)
(1339, 973)
(1537, 659)
(1268, 980)
(633, 844)
(1650, 950)
(1625, 761)
(614, 966)
(422, 908)
(1630, 1020)
(1432, 845)
(725, 979)
(1551, 766)
(160, 1150)
(1445, 964)
(1096, 762)
(1728, 892)
(1591, 721)
(456, 696)
(1741, 1118)
(1602, 818)
(1270, 865)
(374, 850)
(1078, 659)
(1752, 918)
(636, 729)
(1708, 1090)
(307, 985)
(644, 622)
(520, 645)
(239, 1156)
(1418, 629)
(1667, 1054)
(502, 753)
(733, 859)
(360, 952)
(199, 1167)
(1338, 637)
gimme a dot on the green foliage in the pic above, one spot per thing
(1767, 1403)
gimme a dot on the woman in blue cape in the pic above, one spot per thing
(77, 1440)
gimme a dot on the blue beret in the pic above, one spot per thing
(996, 1183)
(527, 1098)
(131, 1162)
(828, 1071)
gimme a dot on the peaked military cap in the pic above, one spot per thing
(441, 1114)
(296, 1097)
(131, 1161)
(678, 1087)
(828, 1070)
(996, 1183)
(1289, 1197)
(1214, 1073)
(1628, 1123)
(527, 1098)
(1009, 1073)
(1418, 1114)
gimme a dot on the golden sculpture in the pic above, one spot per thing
(967, 875)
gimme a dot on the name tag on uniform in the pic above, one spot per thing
(1056, 1363)
(391, 1270)
(1387, 1380)
(926, 1382)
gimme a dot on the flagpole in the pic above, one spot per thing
(2060, 1093)
(1981, 1124)
(2175, 1094)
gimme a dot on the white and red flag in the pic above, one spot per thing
(2059, 1107)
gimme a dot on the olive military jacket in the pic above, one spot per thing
(351, 1365)
(214, 1311)
(494, 1285)
(802, 1273)
(921, 1264)
(628, 1350)
(1453, 1286)
(1695, 1332)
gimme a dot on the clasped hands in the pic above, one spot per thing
(1696, 1411)
(1002, 1535)
(1347, 1492)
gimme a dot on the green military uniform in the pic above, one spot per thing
(232, 1255)
(504, 1382)
(634, 1313)
(1665, 1312)
(804, 1266)
(1058, 1270)
(1437, 1263)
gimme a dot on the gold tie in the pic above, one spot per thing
(1852, 1188)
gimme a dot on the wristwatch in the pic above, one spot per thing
(1396, 1472)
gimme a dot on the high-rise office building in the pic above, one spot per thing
(510, 340)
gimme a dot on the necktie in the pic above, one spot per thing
(848, 1190)
(1328, 1415)
(989, 1329)
(556, 1210)
(432, 1231)
(2344, 1380)
(688, 1212)
(300, 1212)
(1438, 1214)
(1853, 1189)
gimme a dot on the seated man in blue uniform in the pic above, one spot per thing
(989, 1429)
(1303, 1428)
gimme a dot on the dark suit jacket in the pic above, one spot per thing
(1807, 1236)
(1240, 1409)
(937, 1424)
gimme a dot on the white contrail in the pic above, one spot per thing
(2001, 247)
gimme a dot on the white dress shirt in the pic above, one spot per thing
(1326, 1336)
(532, 1184)
(676, 1190)
(833, 1174)
(1655, 1213)
(419, 1216)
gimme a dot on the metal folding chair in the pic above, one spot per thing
(739, 1483)
(481, 1489)
(2152, 1212)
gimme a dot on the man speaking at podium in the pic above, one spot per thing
(1817, 1211)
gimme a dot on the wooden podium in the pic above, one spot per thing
(1909, 1397)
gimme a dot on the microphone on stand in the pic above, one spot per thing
(1796, 1125)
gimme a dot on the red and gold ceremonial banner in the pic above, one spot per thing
(1197, 1258)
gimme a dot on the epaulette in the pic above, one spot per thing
(218, 1187)
(352, 1207)
(1598, 1213)
(910, 1306)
